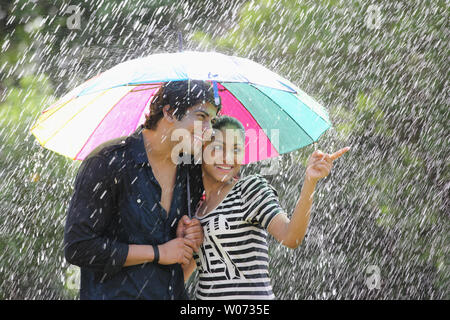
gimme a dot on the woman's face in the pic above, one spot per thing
(224, 154)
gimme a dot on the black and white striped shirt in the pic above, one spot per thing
(233, 260)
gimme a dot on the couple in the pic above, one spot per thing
(127, 227)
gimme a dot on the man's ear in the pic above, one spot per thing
(168, 115)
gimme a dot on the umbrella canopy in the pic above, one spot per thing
(278, 116)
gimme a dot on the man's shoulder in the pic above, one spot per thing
(110, 150)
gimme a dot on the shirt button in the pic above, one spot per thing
(138, 200)
(170, 287)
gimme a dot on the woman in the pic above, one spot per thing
(236, 215)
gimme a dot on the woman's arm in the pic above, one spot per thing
(291, 232)
(188, 269)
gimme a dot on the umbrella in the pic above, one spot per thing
(278, 116)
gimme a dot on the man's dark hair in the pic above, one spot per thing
(180, 95)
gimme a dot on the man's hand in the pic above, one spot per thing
(320, 164)
(190, 229)
(178, 250)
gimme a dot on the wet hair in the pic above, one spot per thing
(180, 95)
(227, 121)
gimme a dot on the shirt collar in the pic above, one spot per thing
(137, 146)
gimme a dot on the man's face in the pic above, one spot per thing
(195, 127)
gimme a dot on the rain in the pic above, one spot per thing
(379, 222)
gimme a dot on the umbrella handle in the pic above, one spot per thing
(188, 196)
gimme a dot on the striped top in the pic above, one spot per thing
(233, 261)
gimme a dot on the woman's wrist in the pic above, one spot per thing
(310, 180)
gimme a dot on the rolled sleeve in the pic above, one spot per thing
(87, 242)
(261, 202)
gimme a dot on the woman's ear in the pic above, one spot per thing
(168, 114)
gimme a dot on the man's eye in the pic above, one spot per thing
(201, 115)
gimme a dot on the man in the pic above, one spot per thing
(126, 225)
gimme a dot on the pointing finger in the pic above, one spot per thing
(339, 153)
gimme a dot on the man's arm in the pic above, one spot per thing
(91, 210)
(178, 250)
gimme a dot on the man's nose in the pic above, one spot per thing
(207, 125)
(207, 131)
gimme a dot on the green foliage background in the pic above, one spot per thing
(386, 88)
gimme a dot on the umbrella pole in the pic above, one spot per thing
(188, 195)
(180, 41)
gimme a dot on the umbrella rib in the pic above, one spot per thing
(51, 113)
(79, 111)
(145, 105)
(312, 140)
(109, 111)
(132, 83)
(320, 116)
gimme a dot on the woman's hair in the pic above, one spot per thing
(180, 95)
(227, 121)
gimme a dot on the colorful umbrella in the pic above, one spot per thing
(278, 116)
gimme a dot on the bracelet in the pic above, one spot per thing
(155, 253)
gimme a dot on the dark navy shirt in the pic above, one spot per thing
(116, 202)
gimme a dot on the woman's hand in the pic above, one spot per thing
(190, 229)
(320, 164)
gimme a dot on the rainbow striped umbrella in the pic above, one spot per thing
(278, 116)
